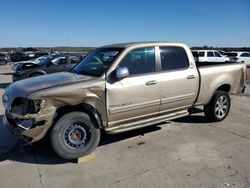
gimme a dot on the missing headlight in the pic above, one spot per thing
(23, 106)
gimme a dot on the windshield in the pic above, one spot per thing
(97, 62)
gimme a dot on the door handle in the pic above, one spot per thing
(152, 82)
(190, 76)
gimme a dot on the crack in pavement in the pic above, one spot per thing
(124, 179)
(234, 133)
(37, 165)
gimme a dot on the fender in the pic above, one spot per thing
(90, 110)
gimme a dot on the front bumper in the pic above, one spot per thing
(28, 130)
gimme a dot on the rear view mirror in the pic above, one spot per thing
(122, 72)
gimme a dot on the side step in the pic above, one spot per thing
(145, 123)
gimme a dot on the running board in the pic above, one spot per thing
(144, 123)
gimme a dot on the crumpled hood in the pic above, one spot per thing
(24, 88)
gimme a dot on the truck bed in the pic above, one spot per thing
(214, 74)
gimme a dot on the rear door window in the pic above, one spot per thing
(173, 58)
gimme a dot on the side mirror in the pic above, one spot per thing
(122, 72)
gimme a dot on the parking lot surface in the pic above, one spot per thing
(187, 152)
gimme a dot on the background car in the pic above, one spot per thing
(37, 60)
(211, 56)
(239, 57)
(3, 59)
(17, 56)
(51, 64)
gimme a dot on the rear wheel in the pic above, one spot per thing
(74, 135)
(218, 108)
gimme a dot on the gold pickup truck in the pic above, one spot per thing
(118, 88)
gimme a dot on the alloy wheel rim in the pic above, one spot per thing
(221, 106)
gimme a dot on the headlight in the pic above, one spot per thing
(23, 106)
(39, 104)
(42, 103)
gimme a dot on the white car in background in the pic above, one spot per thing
(211, 56)
(239, 57)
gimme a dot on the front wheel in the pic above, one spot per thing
(74, 135)
(218, 108)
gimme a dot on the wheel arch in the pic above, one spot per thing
(223, 87)
(41, 72)
(90, 110)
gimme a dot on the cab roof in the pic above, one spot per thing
(135, 44)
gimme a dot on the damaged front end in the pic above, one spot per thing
(29, 119)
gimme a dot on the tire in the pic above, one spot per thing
(219, 106)
(74, 135)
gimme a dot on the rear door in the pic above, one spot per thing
(179, 80)
(137, 96)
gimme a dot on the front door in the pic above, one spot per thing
(218, 57)
(138, 95)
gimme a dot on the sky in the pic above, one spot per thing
(49, 23)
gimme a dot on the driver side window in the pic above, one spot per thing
(59, 61)
(140, 61)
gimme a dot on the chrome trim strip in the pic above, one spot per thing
(178, 98)
(133, 107)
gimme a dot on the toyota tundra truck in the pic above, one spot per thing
(118, 88)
